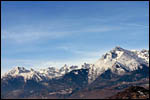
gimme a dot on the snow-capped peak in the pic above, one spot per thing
(126, 59)
(65, 69)
(118, 48)
(143, 54)
(50, 72)
(26, 74)
(39, 75)
(17, 70)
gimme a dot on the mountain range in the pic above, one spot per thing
(115, 71)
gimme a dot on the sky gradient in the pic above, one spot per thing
(43, 34)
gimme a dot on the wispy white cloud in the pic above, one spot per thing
(82, 53)
(25, 33)
(31, 36)
(60, 28)
(135, 25)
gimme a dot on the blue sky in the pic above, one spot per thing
(42, 34)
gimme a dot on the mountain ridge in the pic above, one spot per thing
(115, 70)
(114, 60)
